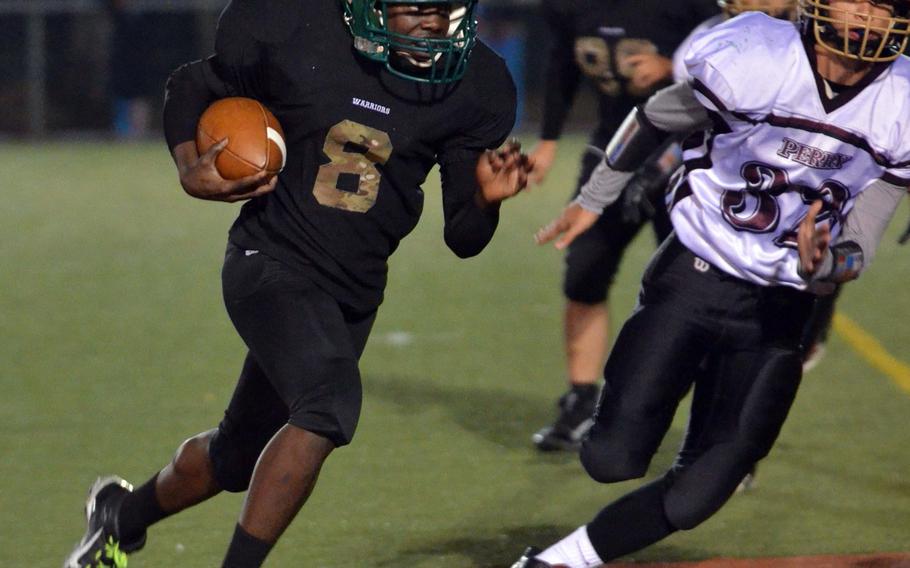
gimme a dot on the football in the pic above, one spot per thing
(255, 138)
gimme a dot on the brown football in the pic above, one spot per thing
(255, 139)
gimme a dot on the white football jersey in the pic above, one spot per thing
(680, 73)
(778, 144)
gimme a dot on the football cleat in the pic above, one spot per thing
(528, 560)
(101, 545)
(749, 482)
(576, 411)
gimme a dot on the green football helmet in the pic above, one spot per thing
(427, 60)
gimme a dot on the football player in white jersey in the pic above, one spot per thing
(786, 10)
(815, 334)
(798, 162)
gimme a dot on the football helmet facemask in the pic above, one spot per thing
(784, 9)
(870, 39)
(427, 60)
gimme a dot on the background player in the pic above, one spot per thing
(623, 47)
(305, 266)
(789, 163)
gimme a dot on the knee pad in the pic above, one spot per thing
(233, 460)
(591, 264)
(586, 285)
(607, 459)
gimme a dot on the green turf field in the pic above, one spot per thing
(115, 347)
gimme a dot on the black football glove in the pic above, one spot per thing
(635, 204)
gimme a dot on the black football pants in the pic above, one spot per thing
(593, 258)
(739, 343)
(301, 368)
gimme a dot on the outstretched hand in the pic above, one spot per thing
(812, 241)
(573, 221)
(502, 173)
(200, 178)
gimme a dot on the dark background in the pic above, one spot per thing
(86, 67)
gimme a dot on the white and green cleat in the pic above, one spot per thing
(101, 547)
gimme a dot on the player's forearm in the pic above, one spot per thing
(673, 110)
(603, 188)
(560, 92)
(561, 86)
(185, 155)
(561, 80)
(470, 221)
(854, 250)
(470, 229)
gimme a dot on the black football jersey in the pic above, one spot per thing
(360, 140)
(591, 38)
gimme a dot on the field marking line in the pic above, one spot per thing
(868, 347)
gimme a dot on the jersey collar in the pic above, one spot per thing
(830, 105)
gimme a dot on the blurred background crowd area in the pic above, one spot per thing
(84, 67)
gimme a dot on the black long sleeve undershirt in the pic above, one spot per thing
(562, 77)
(468, 227)
(189, 91)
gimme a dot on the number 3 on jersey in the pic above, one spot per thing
(756, 208)
(350, 181)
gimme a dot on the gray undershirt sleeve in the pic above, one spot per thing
(865, 225)
(673, 109)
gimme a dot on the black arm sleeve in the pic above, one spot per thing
(562, 74)
(189, 91)
(486, 123)
(234, 70)
(468, 228)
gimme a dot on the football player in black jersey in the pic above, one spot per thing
(623, 47)
(371, 95)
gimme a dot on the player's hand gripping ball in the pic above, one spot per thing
(255, 139)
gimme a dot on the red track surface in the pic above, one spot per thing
(864, 561)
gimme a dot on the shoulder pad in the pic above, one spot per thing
(744, 61)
